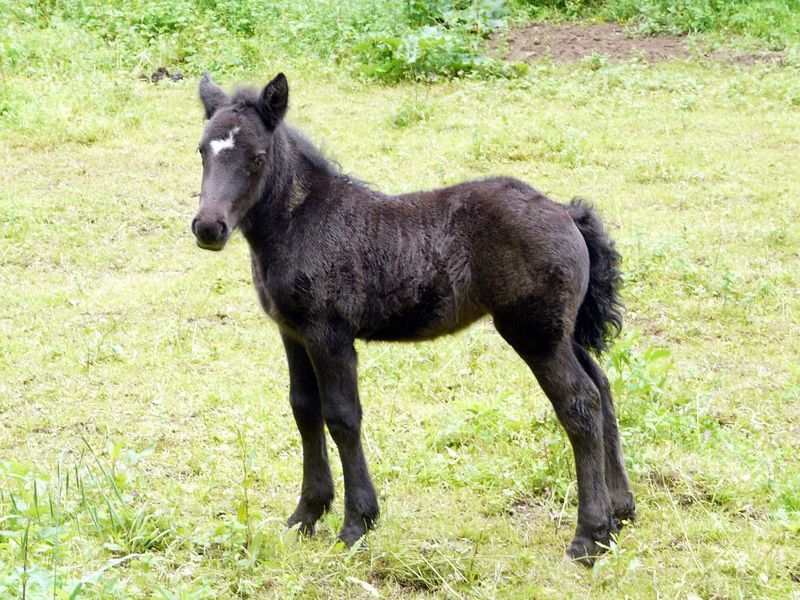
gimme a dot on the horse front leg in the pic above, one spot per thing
(334, 361)
(316, 493)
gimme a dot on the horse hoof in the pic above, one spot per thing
(351, 535)
(627, 514)
(584, 551)
(624, 508)
(306, 523)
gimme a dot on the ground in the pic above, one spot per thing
(610, 41)
(147, 445)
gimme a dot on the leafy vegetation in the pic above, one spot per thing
(377, 39)
(775, 23)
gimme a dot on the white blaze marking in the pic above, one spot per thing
(218, 146)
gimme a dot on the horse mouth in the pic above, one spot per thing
(214, 247)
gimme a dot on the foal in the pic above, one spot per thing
(334, 260)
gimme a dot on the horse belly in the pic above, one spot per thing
(435, 308)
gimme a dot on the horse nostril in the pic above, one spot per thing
(194, 226)
(223, 229)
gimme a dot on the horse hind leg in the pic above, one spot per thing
(578, 406)
(617, 480)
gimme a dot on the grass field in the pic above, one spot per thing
(147, 449)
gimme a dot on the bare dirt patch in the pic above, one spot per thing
(574, 42)
(570, 43)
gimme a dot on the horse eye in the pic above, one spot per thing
(259, 159)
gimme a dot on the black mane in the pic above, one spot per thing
(306, 148)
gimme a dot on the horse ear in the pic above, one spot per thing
(274, 101)
(211, 95)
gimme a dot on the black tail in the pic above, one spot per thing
(600, 315)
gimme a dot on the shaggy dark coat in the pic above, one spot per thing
(334, 260)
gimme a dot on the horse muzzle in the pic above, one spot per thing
(211, 234)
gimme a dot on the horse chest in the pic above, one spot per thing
(282, 307)
(265, 298)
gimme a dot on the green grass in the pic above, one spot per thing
(121, 339)
(147, 449)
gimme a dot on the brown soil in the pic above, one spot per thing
(575, 42)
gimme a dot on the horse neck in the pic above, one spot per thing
(291, 172)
